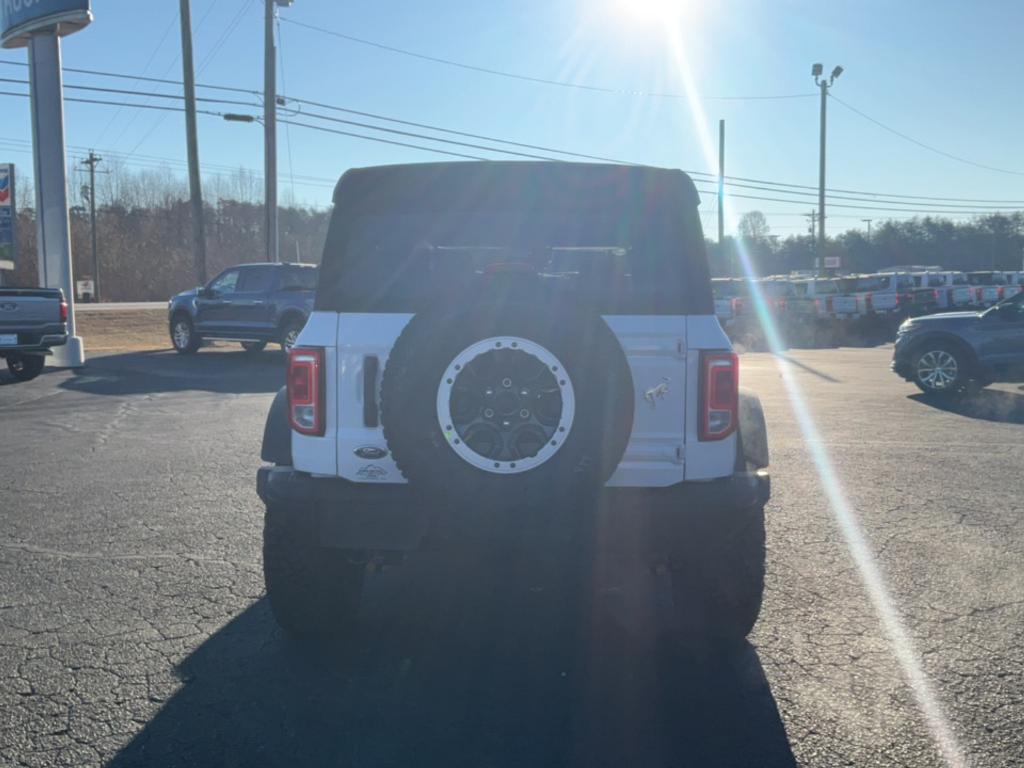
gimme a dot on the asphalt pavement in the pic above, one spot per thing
(135, 631)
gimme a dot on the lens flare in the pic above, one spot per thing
(871, 576)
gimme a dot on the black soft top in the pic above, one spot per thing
(427, 187)
(404, 238)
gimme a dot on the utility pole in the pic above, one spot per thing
(824, 84)
(194, 182)
(868, 222)
(91, 161)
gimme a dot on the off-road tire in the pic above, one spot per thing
(184, 338)
(254, 347)
(25, 367)
(717, 587)
(314, 592)
(592, 446)
(935, 354)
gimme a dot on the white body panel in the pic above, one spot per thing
(655, 347)
(359, 336)
(663, 353)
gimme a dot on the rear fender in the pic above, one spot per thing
(277, 434)
(752, 451)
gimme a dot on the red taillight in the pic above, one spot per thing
(935, 294)
(829, 304)
(737, 306)
(780, 305)
(719, 394)
(868, 302)
(63, 311)
(1001, 292)
(306, 390)
(817, 305)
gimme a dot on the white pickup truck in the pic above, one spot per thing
(822, 298)
(950, 290)
(32, 320)
(989, 287)
(888, 293)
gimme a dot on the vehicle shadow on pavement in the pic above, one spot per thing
(987, 405)
(132, 373)
(492, 682)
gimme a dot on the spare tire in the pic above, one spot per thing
(507, 406)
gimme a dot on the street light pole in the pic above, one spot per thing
(824, 84)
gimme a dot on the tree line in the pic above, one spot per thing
(144, 236)
(994, 242)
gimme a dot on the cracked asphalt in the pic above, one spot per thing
(135, 630)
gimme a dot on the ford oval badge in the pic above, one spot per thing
(371, 452)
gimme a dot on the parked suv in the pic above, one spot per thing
(251, 303)
(951, 352)
(522, 351)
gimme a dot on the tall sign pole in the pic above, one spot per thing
(39, 26)
(8, 220)
(192, 143)
(270, 128)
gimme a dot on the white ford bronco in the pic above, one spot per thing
(498, 348)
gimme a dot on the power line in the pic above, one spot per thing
(382, 141)
(921, 144)
(529, 79)
(875, 196)
(287, 128)
(145, 68)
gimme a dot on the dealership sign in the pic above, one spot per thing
(8, 217)
(20, 18)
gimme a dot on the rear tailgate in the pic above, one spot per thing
(843, 306)
(961, 295)
(988, 294)
(26, 313)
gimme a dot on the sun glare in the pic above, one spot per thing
(653, 11)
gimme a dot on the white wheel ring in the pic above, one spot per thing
(562, 430)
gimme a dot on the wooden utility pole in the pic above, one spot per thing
(92, 161)
(194, 180)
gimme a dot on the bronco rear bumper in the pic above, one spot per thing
(394, 517)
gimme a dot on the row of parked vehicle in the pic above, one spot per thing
(819, 311)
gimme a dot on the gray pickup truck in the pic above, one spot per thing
(32, 321)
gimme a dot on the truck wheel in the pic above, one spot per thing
(718, 587)
(940, 369)
(290, 330)
(254, 347)
(25, 367)
(314, 592)
(183, 335)
(509, 407)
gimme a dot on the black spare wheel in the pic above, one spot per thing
(518, 403)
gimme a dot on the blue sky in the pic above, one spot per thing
(942, 72)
